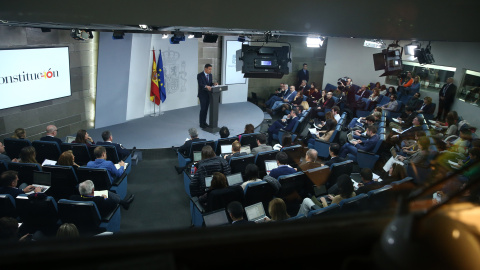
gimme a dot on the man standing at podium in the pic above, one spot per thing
(205, 84)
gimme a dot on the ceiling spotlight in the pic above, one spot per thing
(144, 27)
(315, 42)
(164, 36)
(410, 48)
(374, 43)
(191, 36)
(241, 38)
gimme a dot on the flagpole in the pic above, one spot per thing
(154, 113)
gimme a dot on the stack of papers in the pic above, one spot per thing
(118, 166)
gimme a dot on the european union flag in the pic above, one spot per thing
(161, 78)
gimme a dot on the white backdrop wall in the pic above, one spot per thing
(140, 70)
(236, 92)
(180, 62)
(348, 57)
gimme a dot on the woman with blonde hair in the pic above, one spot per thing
(427, 107)
(19, 133)
(277, 209)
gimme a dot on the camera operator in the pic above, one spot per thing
(348, 94)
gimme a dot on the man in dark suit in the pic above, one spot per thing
(185, 148)
(303, 74)
(367, 183)
(362, 92)
(286, 123)
(283, 167)
(205, 84)
(50, 136)
(108, 140)
(409, 133)
(367, 146)
(446, 96)
(405, 122)
(105, 204)
(334, 151)
(235, 211)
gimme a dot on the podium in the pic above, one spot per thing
(214, 96)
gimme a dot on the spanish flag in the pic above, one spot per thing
(154, 91)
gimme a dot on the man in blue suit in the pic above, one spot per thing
(288, 97)
(285, 123)
(283, 167)
(108, 140)
(205, 84)
(367, 146)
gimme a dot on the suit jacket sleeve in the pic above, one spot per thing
(291, 124)
(450, 94)
(369, 145)
(292, 96)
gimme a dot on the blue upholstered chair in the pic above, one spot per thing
(38, 214)
(25, 171)
(368, 159)
(326, 211)
(353, 204)
(103, 181)
(85, 215)
(14, 146)
(322, 146)
(46, 150)
(64, 181)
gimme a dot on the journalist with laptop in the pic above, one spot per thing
(9, 182)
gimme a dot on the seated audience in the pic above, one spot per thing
(277, 209)
(9, 182)
(310, 161)
(3, 156)
(286, 142)
(297, 101)
(283, 167)
(324, 135)
(251, 175)
(67, 230)
(392, 105)
(404, 122)
(101, 162)
(219, 181)
(367, 146)
(409, 133)
(19, 133)
(262, 145)
(28, 155)
(235, 211)
(421, 156)
(249, 128)
(362, 92)
(368, 183)
(334, 151)
(107, 137)
(451, 127)
(224, 132)
(209, 164)
(374, 98)
(67, 159)
(345, 191)
(287, 98)
(235, 151)
(50, 136)
(105, 204)
(185, 148)
(83, 137)
(415, 102)
(9, 231)
(318, 111)
(286, 124)
(427, 107)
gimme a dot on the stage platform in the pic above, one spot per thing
(171, 128)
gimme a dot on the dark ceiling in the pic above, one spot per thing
(402, 20)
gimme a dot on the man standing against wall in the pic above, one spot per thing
(303, 75)
(205, 84)
(446, 96)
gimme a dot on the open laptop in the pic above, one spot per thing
(350, 138)
(70, 139)
(226, 149)
(197, 156)
(208, 181)
(41, 179)
(255, 212)
(270, 165)
(246, 149)
(216, 218)
(234, 179)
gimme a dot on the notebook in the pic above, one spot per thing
(270, 165)
(41, 179)
(197, 156)
(234, 179)
(350, 138)
(255, 212)
(208, 181)
(246, 149)
(226, 148)
(216, 218)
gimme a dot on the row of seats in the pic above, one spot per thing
(51, 150)
(46, 215)
(65, 179)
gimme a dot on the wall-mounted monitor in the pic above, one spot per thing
(33, 75)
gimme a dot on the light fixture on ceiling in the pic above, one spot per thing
(315, 42)
(424, 55)
(145, 27)
(410, 48)
(241, 38)
(375, 43)
(177, 37)
(165, 36)
(78, 34)
(118, 34)
(191, 36)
